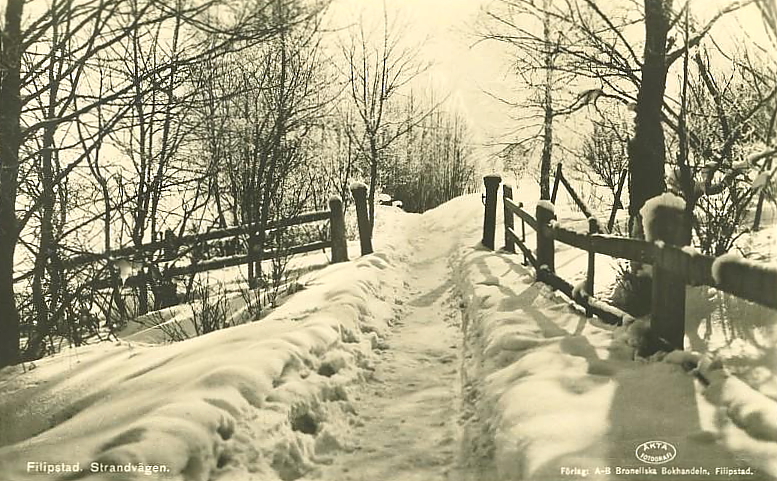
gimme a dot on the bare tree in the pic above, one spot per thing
(592, 45)
(272, 99)
(376, 71)
(547, 105)
(538, 63)
(647, 153)
(603, 155)
(48, 67)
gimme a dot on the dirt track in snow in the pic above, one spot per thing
(409, 412)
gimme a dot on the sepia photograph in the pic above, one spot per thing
(388, 240)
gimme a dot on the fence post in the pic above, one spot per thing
(359, 193)
(545, 247)
(509, 219)
(489, 219)
(593, 228)
(171, 247)
(337, 228)
(556, 180)
(523, 236)
(663, 220)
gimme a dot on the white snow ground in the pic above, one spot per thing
(431, 359)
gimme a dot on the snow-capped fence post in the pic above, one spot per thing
(545, 248)
(662, 221)
(337, 228)
(359, 193)
(593, 228)
(492, 182)
(509, 220)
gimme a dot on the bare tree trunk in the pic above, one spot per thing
(10, 140)
(646, 151)
(215, 189)
(767, 166)
(686, 176)
(46, 245)
(759, 206)
(374, 157)
(547, 138)
(141, 207)
(94, 167)
(375, 77)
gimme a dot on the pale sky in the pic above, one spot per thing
(447, 29)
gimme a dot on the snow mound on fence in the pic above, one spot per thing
(667, 202)
(263, 401)
(553, 395)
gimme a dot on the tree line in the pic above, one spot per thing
(127, 121)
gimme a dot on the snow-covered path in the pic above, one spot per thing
(431, 359)
(408, 411)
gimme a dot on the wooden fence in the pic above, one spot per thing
(173, 248)
(560, 179)
(674, 266)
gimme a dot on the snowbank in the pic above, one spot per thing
(547, 393)
(555, 396)
(261, 401)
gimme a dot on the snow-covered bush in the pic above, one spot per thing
(210, 314)
(632, 290)
(719, 223)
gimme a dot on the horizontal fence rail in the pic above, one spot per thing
(214, 264)
(674, 265)
(612, 246)
(148, 273)
(753, 281)
(189, 239)
(517, 209)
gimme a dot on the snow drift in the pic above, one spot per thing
(558, 396)
(546, 392)
(250, 402)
